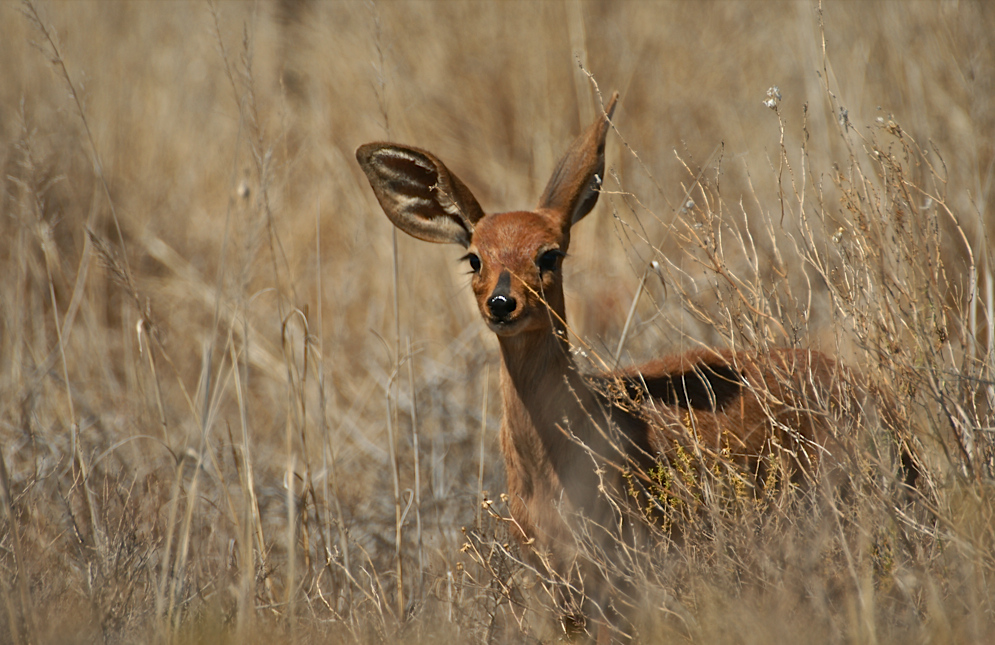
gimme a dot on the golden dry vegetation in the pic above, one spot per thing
(231, 409)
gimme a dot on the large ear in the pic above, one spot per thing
(419, 194)
(573, 189)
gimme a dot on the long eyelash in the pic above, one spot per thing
(467, 258)
(557, 254)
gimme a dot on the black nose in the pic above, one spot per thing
(501, 306)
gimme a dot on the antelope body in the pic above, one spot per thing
(565, 435)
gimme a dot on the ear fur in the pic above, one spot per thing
(573, 189)
(419, 194)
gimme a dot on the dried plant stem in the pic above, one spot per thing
(398, 511)
(173, 618)
(480, 456)
(417, 468)
(628, 318)
(328, 446)
(252, 530)
(55, 57)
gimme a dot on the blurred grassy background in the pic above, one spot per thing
(209, 150)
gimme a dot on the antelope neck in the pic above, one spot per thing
(545, 397)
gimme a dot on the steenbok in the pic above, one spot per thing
(576, 445)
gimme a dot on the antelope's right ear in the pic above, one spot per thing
(419, 194)
(573, 189)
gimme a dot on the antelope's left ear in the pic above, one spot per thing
(573, 189)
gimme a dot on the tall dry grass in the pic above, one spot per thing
(216, 366)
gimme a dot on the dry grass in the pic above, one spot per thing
(211, 397)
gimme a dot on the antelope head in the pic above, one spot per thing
(515, 257)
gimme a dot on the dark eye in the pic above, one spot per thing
(474, 261)
(549, 260)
